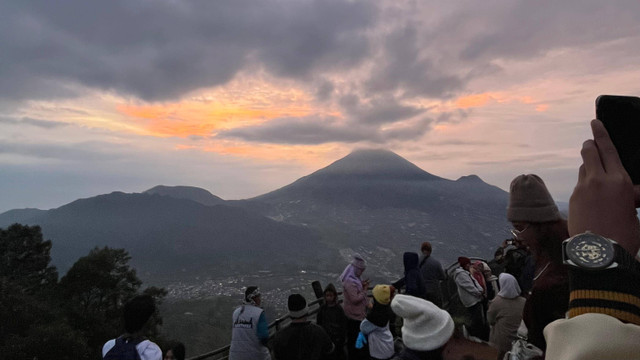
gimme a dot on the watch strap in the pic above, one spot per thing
(613, 291)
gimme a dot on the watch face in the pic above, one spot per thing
(590, 251)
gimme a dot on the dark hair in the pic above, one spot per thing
(137, 312)
(499, 251)
(549, 238)
(177, 348)
(248, 292)
(425, 246)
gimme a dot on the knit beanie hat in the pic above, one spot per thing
(530, 201)
(463, 261)
(358, 262)
(383, 293)
(426, 326)
(297, 306)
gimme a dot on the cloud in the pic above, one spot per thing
(45, 124)
(79, 152)
(308, 130)
(163, 49)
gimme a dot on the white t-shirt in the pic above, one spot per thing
(146, 349)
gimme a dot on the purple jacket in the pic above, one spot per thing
(355, 298)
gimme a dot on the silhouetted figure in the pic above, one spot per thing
(136, 314)
(302, 339)
(432, 274)
(332, 319)
(175, 351)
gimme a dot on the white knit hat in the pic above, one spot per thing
(426, 326)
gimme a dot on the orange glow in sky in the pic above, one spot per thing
(240, 103)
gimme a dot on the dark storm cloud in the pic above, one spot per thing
(161, 49)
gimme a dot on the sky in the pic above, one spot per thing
(242, 97)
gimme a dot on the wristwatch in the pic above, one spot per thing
(589, 251)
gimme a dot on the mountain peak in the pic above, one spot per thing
(373, 162)
(193, 193)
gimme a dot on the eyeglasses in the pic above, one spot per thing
(516, 233)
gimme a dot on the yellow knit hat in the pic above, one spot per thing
(382, 294)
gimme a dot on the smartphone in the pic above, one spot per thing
(621, 117)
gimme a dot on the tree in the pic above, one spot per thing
(95, 290)
(27, 281)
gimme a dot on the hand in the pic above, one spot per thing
(604, 199)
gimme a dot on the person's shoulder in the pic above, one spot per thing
(149, 350)
(108, 346)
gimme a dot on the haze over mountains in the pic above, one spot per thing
(371, 201)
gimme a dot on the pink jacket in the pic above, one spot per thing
(355, 299)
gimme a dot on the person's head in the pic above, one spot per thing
(297, 306)
(426, 327)
(509, 287)
(464, 262)
(536, 221)
(499, 255)
(137, 312)
(410, 260)
(425, 248)
(330, 295)
(175, 351)
(359, 264)
(252, 295)
(383, 294)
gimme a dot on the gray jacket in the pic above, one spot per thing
(469, 291)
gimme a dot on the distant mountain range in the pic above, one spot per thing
(371, 201)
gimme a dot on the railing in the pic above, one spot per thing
(274, 327)
(448, 288)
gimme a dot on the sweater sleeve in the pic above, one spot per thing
(468, 283)
(262, 330)
(366, 327)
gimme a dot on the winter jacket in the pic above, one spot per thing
(504, 316)
(469, 291)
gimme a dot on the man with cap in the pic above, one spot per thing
(538, 225)
(250, 330)
(302, 339)
(426, 328)
(471, 296)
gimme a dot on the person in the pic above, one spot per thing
(136, 314)
(302, 339)
(332, 319)
(412, 280)
(604, 316)
(250, 330)
(505, 314)
(497, 263)
(432, 274)
(355, 303)
(375, 327)
(175, 351)
(471, 296)
(426, 328)
(539, 226)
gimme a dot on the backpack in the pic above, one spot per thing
(124, 349)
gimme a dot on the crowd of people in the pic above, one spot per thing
(531, 291)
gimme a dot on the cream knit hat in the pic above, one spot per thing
(426, 326)
(530, 201)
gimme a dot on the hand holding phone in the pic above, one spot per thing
(621, 117)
